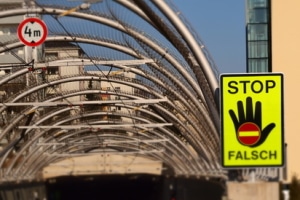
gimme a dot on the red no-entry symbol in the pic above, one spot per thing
(32, 32)
(249, 133)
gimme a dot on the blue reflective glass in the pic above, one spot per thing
(258, 49)
(258, 43)
(258, 15)
(257, 4)
(258, 65)
(257, 32)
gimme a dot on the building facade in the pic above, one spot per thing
(258, 36)
(276, 49)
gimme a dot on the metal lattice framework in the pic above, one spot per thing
(141, 85)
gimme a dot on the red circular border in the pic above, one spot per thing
(45, 30)
(256, 126)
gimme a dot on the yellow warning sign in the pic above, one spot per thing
(252, 120)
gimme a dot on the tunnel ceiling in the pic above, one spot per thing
(127, 86)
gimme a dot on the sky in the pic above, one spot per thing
(221, 26)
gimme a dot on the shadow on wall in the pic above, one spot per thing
(23, 191)
(133, 187)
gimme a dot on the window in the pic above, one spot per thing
(258, 65)
(257, 32)
(52, 70)
(49, 56)
(258, 36)
(258, 49)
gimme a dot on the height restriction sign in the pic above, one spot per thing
(32, 32)
(252, 120)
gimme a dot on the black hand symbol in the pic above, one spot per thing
(252, 118)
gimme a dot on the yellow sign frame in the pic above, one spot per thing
(252, 99)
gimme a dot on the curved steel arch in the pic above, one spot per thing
(116, 25)
(192, 140)
(6, 130)
(132, 32)
(39, 87)
(170, 76)
(96, 78)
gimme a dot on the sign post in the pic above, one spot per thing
(252, 130)
(32, 32)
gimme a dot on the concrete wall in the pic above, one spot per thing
(253, 191)
(285, 55)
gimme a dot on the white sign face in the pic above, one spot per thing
(32, 32)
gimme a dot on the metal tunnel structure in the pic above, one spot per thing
(118, 87)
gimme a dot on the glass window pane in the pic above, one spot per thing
(257, 4)
(258, 49)
(259, 15)
(258, 65)
(257, 32)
